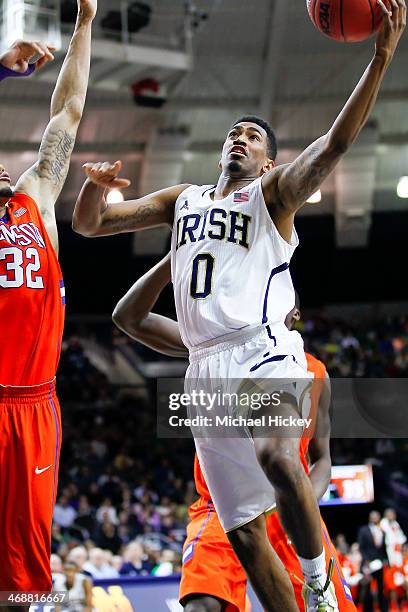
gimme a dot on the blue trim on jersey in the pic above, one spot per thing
(346, 587)
(268, 329)
(56, 448)
(190, 554)
(5, 218)
(275, 358)
(275, 271)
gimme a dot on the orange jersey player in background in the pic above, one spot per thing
(32, 305)
(213, 579)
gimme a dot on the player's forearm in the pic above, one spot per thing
(306, 174)
(133, 314)
(161, 334)
(358, 108)
(70, 92)
(138, 302)
(89, 209)
(320, 475)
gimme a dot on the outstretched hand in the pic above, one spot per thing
(106, 174)
(17, 58)
(394, 22)
(87, 9)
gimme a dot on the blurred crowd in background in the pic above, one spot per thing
(363, 348)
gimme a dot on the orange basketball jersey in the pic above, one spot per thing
(317, 368)
(32, 297)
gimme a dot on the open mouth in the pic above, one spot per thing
(237, 150)
(4, 178)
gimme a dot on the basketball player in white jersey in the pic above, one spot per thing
(231, 249)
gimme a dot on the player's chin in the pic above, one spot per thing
(235, 166)
(6, 192)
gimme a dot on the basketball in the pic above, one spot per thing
(345, 20)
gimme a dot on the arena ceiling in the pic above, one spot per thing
(258, 56)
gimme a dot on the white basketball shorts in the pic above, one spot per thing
(238, 485)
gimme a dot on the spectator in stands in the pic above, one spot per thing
(55, 563)
(84, 519)
(64, 514)
(106, 536)
(117, 562)
(135, 562)
(341, 544)
(79, 556)
(97, 565)
(394, 537)
(371, 539)
(106, 509)
(58, 539)
(77, 586)
(350, 561)
(167, 564)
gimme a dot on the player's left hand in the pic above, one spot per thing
(394, 22)
(87, 9)
(106, 174)
(18, 56)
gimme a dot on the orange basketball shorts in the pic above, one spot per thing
(30, 440)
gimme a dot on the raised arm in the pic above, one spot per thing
(287, 188)
(44, 181)
(93, 216)
(134, 317)
(319, 447)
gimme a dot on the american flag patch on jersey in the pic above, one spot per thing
(62, 290)
(241, 196)
(20, 212)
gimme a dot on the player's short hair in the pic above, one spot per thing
(272, 143)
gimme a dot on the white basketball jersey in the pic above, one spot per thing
(230, 265)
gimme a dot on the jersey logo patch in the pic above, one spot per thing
(185, 205)
(38, 471)
(20, 212)
(241, 196)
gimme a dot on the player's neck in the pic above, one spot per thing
(227, 184)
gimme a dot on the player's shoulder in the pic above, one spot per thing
(191, 191)
(24, 199)
(23, 207)
(182, 187)
(316, 366)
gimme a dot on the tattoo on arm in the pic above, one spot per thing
(144, 213)
(54, 156)
(308, 172)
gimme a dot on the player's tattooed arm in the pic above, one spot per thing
(94, 217)
(299, 180)
(134, 317)
(54, 156)
(45, 179)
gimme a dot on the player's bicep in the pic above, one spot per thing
(45, 179)
(300, 179)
